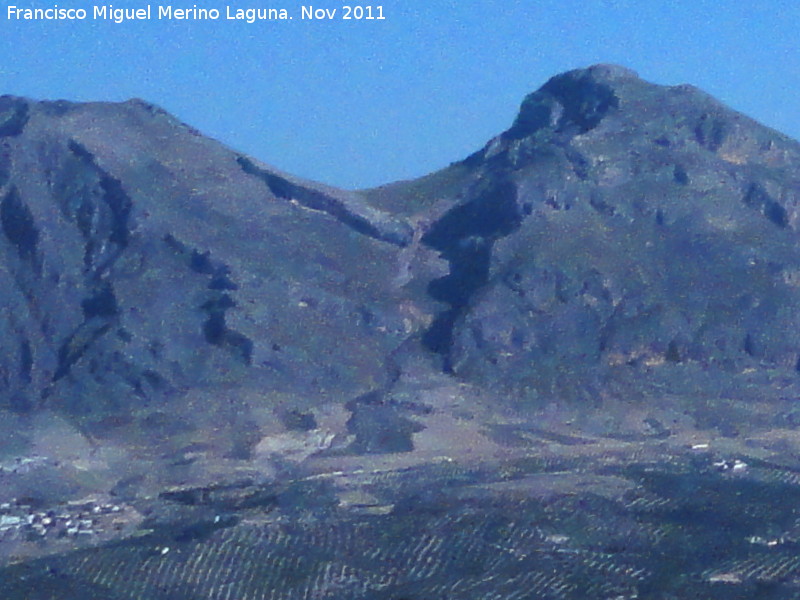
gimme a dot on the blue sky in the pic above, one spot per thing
(357, 104)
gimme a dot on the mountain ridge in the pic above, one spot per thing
(565, 366)
(616, 275)
(678, 135)
(565, 149)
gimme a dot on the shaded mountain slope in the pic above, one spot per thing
(144, 259)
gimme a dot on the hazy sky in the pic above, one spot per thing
(360, 103)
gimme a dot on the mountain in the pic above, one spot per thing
(146, 258)
(599, 308)
(615, 224)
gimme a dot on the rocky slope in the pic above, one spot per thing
(617, 223)
(143, 261)
(599, 306)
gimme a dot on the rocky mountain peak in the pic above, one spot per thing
(615, 203)
(574, 101)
